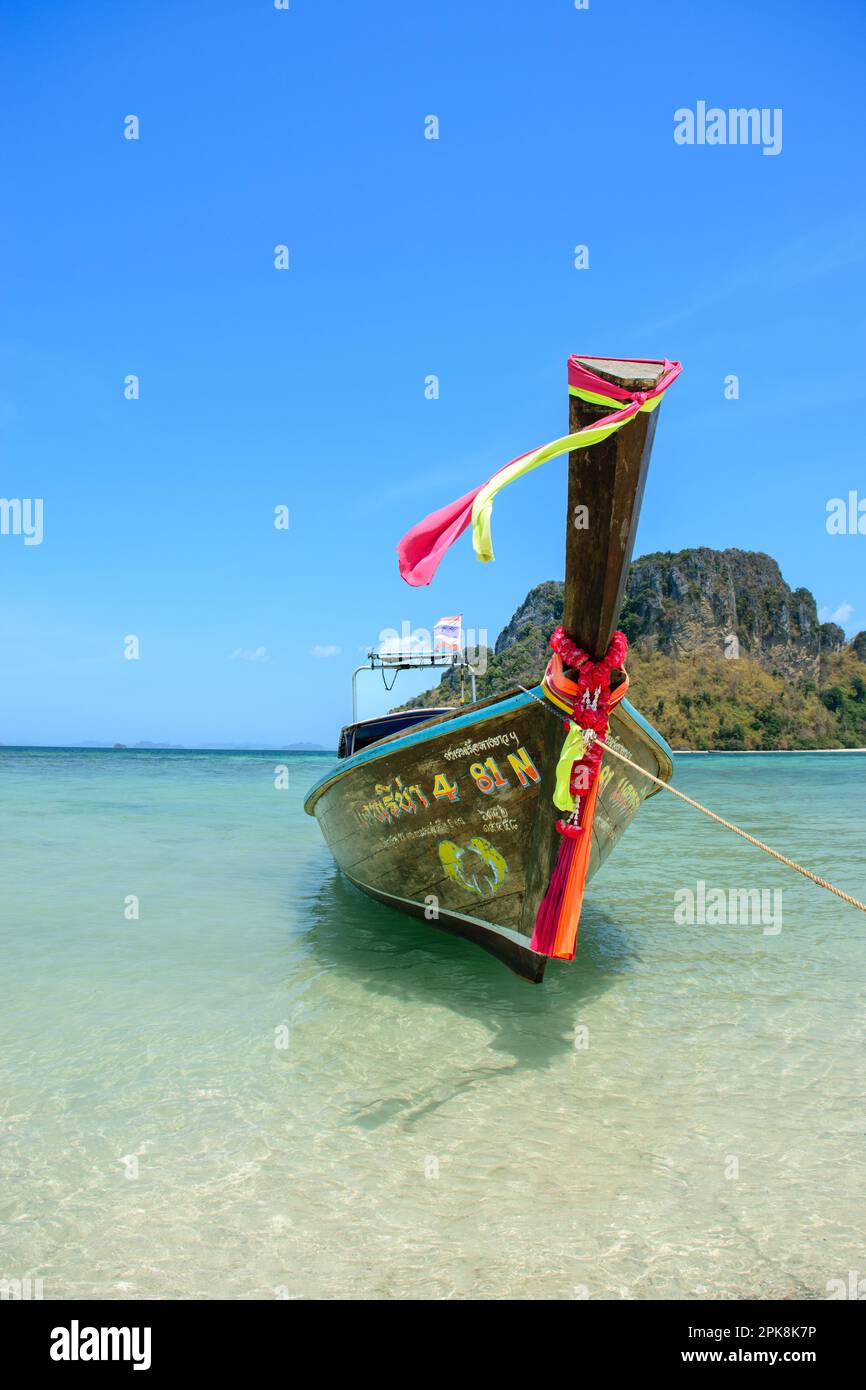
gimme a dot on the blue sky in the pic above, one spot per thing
(408, 257)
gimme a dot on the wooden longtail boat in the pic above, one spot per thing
(449, 815)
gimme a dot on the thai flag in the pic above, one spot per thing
(447, 634)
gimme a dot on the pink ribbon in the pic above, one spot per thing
(422, 548)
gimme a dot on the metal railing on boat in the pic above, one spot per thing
(409, 661)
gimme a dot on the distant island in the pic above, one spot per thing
(212, 747)
(723, 654)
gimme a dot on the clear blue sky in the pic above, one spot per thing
(408, 257)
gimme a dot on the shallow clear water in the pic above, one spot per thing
(431, 1129)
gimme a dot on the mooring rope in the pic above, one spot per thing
(729, 825)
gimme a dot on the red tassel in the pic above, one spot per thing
(547, 917)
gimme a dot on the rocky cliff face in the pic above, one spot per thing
(723, 654)
(723, 600)
(539, 613)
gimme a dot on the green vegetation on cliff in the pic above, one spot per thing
(706, 701)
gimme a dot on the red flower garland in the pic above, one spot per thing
(590, 709)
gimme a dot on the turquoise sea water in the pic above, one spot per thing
(678, 1114)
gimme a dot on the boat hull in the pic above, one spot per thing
(453, 821)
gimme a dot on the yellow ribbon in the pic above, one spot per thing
(482, 507)
(573, 750)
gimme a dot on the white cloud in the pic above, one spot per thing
(249, 654)
(841, 615)
(324, 651)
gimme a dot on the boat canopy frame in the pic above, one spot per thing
(409, 661)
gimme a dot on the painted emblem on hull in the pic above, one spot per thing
(477, 866)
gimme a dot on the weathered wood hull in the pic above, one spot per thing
(452, 821)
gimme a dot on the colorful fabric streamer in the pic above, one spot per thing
(422, 548)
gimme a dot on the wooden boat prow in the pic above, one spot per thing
(631, 373)
(451, 819)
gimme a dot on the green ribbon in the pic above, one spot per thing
(573, 750)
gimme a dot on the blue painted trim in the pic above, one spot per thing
(460, 721)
